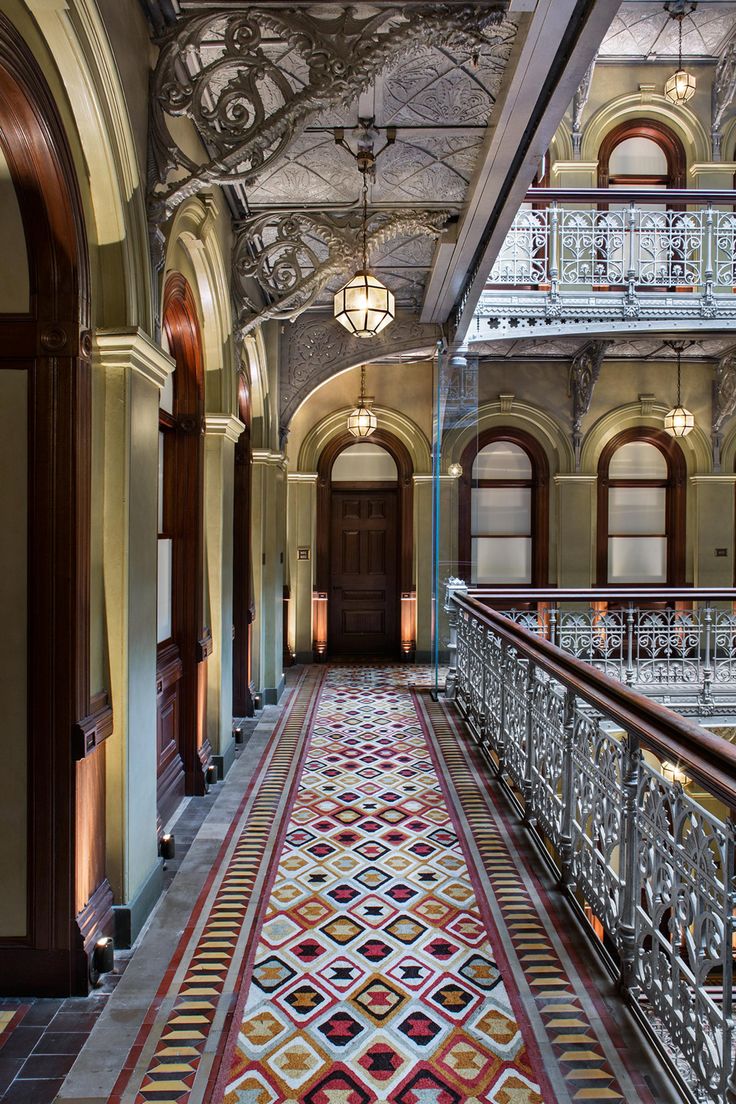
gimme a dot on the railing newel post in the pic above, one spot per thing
(630, 621)
(528, 784)
(729, 878)
(631, 270)
(453, 586)
(630, 866)
(707, 690)
(554, 250)
(568, 790)
(501, 740)
(553, 624)
(708, 236)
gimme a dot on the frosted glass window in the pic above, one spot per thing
(164, 588)
(638, 460)
(501, 510)
(502, 460)
(637, 559)
(364, 462)
(161, 448)
(637, 510)
(637, 157)
(502, 560)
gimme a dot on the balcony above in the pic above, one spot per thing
(602, 260)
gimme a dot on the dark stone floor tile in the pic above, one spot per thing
(33, 1092)
(9, 1070)
(21, 1042)
(40, 1066)
(41, 1012)
(61, 1042)
(75, 1021)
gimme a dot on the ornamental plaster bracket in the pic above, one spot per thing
(579, 102)
(292, 257)
(585, 369)
(723, 96)
(315, 348)
(250, 81)
(724, 401)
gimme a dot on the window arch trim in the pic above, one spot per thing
(675, 503)
(540, 498)
(657, 132)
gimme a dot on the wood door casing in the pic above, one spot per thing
(364, 594)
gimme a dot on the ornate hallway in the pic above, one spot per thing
(372, 927)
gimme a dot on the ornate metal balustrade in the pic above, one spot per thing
(609, 257)
(577, 751)
(683, 656)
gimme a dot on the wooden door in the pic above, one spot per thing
(364, 599)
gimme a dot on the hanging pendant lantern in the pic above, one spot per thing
(364, 306)
(680, 87)
(678, 421)
(362, 421)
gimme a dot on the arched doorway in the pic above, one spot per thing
(365, 543)
(184, 641)
(56, 899)
(243, 605)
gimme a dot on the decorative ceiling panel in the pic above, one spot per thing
(646, 31)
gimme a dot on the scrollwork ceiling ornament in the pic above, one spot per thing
(314, 349)
(723, 96)
(250, 80)
(584, 372)
(292, 257)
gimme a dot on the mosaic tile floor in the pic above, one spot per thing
(372, 932)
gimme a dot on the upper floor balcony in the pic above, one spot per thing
(600, 260)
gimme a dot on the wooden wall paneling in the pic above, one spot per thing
(66, 821)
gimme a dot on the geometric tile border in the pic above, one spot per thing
(175, 1059)
(583, 1058)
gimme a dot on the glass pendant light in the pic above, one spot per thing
(678, 422)
(364, 306)
(362, 421)
(681, 85)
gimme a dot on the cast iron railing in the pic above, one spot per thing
(676, 646)
(580, 753)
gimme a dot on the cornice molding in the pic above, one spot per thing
(714, 477)
(223, 425)
(133, 348)
(302, 477)
(267, 456)
(574, 477)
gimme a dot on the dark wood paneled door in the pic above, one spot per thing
(364, 596)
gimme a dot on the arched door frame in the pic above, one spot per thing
(186, 499)
(405, 468)
(675, 504)
(243, 604)
(540, 496)
(69, 900)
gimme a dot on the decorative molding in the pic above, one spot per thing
(134, 349)
(574, 477)
(292, 257)
(723, 95)
(302, 477)
(579, 102)
(707, 168)
(724, 402)
(713, 477)
(646, 405)
(584, 372)
(249, 103)
(223, 425)
(506, 401)
(267, 456)
(315, 348)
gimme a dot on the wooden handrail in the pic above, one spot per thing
(671, 196)
(605, 594)
(707, 757)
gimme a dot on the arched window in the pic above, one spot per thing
(503, 510)
(641, 153)
(641, 505)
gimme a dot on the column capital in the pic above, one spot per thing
(223, 425)
(133, 348)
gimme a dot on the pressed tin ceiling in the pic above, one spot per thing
(646, 32)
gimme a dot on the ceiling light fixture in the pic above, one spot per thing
(680, 87)
(364, 306)
(678, 422)
(362, 421)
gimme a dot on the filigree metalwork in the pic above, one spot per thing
(579, 102)
(653, 867)
(249, 80)
(523, 258)
(723, 95)
(293, 257)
